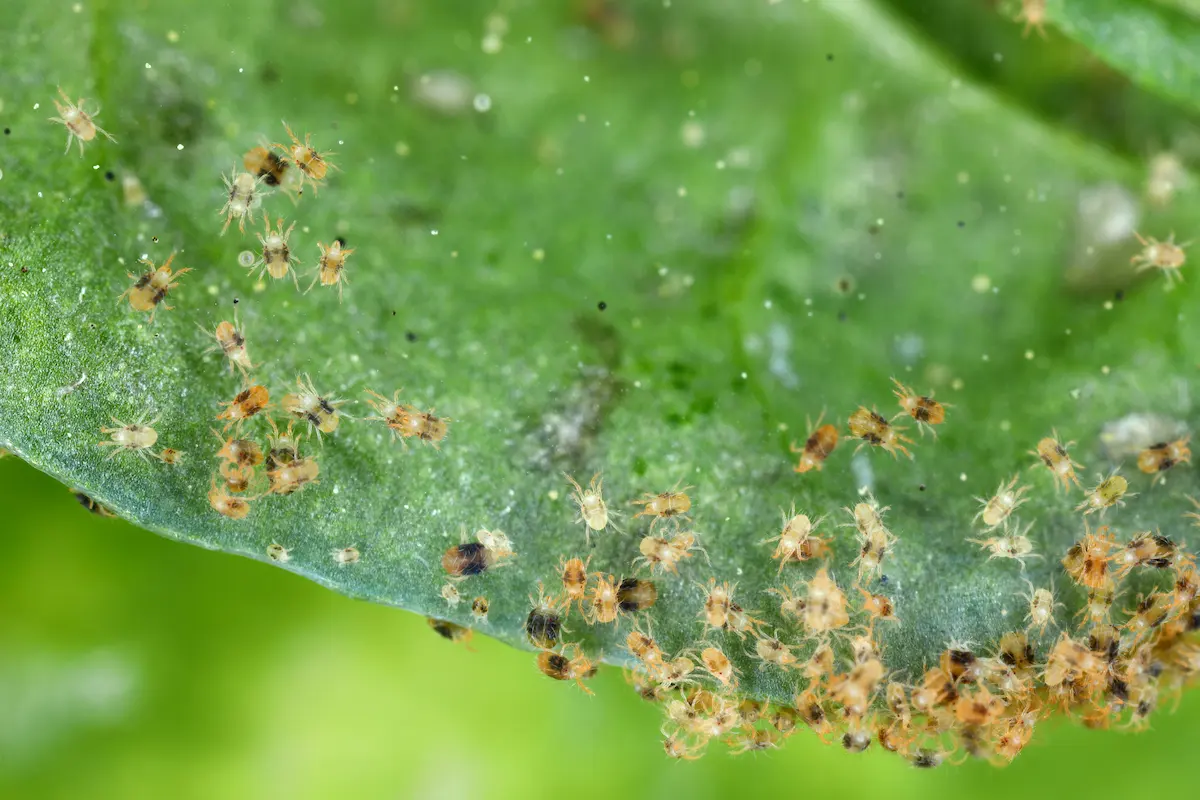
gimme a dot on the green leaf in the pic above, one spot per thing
(648, 244)
(1156, 46)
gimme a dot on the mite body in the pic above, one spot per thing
(1166, 256)
(1033, 14)
(276, 258)
(593, 511)
(311, 163)
(232, 342)
(1157, 459)
(248, 403)
(308, 404)
(544, 625)
(874, 539)
(136, 438)
(406, 421)
(80, 124)
(924, 409)
(1002, 504)
(1053, 455)
(876, 431)
(817, 447)
(262, 163)
(294, 476)
(673, 505)
(225, 504)
(796, 542)
(244, 195)
(331, 267)
(151, 288)
(1110, 492)
(564, 667)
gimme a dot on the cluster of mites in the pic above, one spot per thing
(979, 706)
(969, 704)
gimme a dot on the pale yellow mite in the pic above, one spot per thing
(80, 124)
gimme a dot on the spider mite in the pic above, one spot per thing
(448, 630)
(346, 556)
(879, 608)
(817, 447)
(1003, 503)
(319, 411)
(544, 626)
(450, 595)
(91, 505)
(225, 504)
(169, 456)
(718, 600)
(245, 405)
(924, 409)
(796, 542)
(242, 452)
(136, 438)
(719, 666)
(232, 342)
(294, 476)
(152, 287)
(771, 650)
(643, 647)
(680, 749)
(1145, 549)
(1157, 459)
(1033, 14)
(277, 552)
(311, 163)
(467, 559)
(603, 600)
(1041, 608)
(1053, 455)
(825, 606)
(1110, 492)
(497, 543)
(276, 259)
(79, 123)
(746, 740)
(237, 479)
(876, 431)
(262, 163)
(564, 667)
(1087, 562)
(1167, 256)
(1016, 546)
(593, 511)
(479, 609)
(673, 505)
(634, 594)
(875, 540)
(331, 267)
(282, 448)
(244, 196)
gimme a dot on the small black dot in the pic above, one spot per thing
(109, 176)
(24, 270)
(602, 305)
(829, 56)
(7, 131)
(873, 229)
(841, 316)
(1120, 295)
(393, 313)
(883, 579)
(154, 239)
(962, 224)
(236, 301)
(412, 337)
(341, 241)
(921, 487)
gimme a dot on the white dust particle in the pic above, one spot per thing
(246, 258)
(980, 284)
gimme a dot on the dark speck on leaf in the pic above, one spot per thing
(235, 301)
(7, 131)
(829, 56)
(962, 224)
(393, 312)
(108, 176)
(841, 316)
(1120, 295)
(269, 73)
(412, 337)
(900, 194)
(602, 305)
(921, 487)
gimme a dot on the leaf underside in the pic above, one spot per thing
(670, 238)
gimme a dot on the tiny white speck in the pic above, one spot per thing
(240, 70)
(179, 146)
(744, 376)
(962, 476)
(587, 79)
(766, 304)
(1029, 355)
(482, 103)
(433, 233)
(148, 65)
(36, 106)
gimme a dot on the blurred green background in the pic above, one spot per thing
(134, 667)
